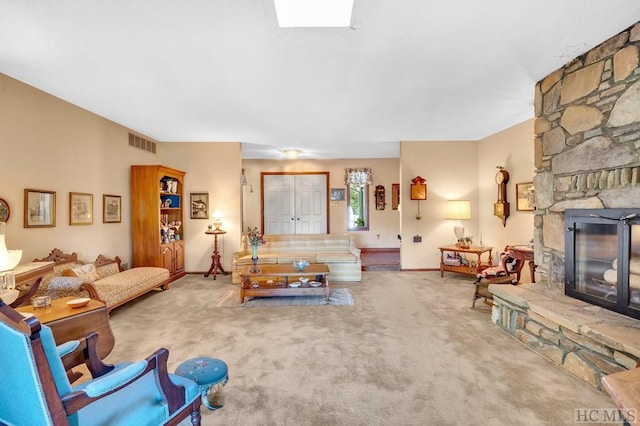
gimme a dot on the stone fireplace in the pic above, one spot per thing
(587, 156)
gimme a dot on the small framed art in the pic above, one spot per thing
(395, 196)
(39, 208)
(525, 196)
(5, 211)
(111, 208)
(337, 194)
(199, 205)
(80, 208)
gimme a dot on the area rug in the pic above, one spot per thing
(337, 297)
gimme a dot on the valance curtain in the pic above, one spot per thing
(361, 176)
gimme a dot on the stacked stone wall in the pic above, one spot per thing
(586, 341)
(587, 144)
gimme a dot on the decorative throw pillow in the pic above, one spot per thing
(86, 272)
(107, 270)
(65, 283)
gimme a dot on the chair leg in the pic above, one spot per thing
(196, 417)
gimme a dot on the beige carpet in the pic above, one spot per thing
(337, 297)
(410, 351)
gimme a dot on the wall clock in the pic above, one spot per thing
(501, 206)
(5, 211)
(418, 188)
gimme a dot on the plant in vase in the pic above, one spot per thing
(255, 238)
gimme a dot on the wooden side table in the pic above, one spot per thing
(523, 253)
(68, 323)
(215, 257)
(29, 276)
(464, 269)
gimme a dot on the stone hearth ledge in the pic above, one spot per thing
(587, 340)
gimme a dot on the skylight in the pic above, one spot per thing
(313, 13)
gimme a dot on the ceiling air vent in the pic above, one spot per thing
(142, 143)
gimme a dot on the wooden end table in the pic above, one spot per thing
(281, 276)
(523, 253)
(68, 323)
(215, 257)
(464, 269)
(28, 277)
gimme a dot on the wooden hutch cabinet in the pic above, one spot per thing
(157, 215)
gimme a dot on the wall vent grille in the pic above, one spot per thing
(142, 143)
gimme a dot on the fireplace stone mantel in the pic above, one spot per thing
(586, 340)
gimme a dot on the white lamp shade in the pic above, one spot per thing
(10, 260)
(458, 209)
(216, 218)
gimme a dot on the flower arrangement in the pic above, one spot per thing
(464, 242)
(255, 237)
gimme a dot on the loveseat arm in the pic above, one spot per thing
(93, 293)
(242, 251)
(353, 249)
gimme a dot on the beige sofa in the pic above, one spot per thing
(335, 250)
(104, 279)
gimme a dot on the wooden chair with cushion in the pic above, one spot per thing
(36, 390)
(507, 271)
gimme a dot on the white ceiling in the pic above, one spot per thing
(222, 70)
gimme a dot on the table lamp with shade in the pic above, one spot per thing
(9, 259)
(216, 218)
(458, 210)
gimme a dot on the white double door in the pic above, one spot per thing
(295, 203)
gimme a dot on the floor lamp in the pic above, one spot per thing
(458, 210)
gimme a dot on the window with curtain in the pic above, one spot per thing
(357, 182)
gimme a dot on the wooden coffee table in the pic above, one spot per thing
(276, 280)
(68, 323)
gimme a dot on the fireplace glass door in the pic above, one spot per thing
(602, 258)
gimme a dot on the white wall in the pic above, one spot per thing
(511, 148)
(464, 170)
(214, 168)
(49, 144)
(384, 224)
(450, 169)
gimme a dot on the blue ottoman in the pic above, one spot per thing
(208, 373)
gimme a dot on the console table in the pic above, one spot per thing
(464, 269)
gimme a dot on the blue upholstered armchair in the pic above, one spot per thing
(35, 388)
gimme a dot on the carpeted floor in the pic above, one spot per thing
(410, 351)
(337, 297)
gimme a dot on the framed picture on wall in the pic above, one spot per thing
(39, 208)
(80, 208)
(337, 194)
(199, 205)
(395, 196)
(525, 196)
(111, 208)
